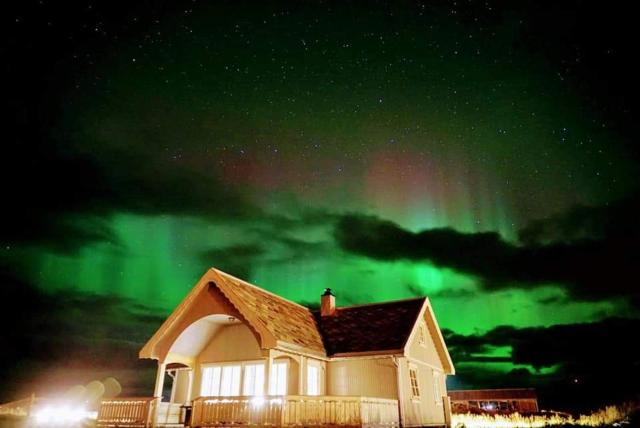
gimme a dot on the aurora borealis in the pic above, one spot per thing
(301, 145)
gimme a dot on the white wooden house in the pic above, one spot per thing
(240, 355)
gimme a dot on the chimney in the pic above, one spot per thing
(327, 303)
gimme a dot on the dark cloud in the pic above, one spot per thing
(446, 293)
(592, 252)
(63, 202)
(52, 341)
(237, 260)
(568, 344)
(575, 354)
(268, 245)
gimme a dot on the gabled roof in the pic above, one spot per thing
(287, 321)
(373, 328)
(380, 328)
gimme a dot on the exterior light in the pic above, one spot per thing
(62, 415)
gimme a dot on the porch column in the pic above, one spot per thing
(190, 386)
(267, 372)
(174, 385)
(301, 376)
(157, 392)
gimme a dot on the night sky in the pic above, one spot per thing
(479, 152)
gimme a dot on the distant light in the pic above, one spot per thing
(489, 406)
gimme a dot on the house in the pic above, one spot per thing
(237, 354)
(521, 400)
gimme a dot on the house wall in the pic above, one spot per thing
(428, 409)
(238, 343)
(323, 375)
(426, 353)
(368, 377)
(292, 373)
(297, 374)
(181, 386)
(231, 343)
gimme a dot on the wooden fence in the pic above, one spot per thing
(295, 410)
(18, 408)
(127, 412)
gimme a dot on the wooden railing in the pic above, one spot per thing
(128, 411)
(169, 414)
(295, 410)
(18, 408)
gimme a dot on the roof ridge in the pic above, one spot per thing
(259, 288)
(388, 302)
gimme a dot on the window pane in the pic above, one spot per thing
(205, 387)
(313, 380)
(413, 378)
(230, 383)
(210, 381)
(278, 379)
(253, 379)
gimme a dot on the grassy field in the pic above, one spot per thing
(625, 415)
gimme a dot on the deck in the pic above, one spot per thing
(271, 411)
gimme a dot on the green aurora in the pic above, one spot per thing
(183, 137)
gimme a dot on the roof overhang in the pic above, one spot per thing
(192, 308)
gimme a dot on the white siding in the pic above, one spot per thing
(231, 343)
(425, 410)
(368, 377)
(427, 352)
(428, 409)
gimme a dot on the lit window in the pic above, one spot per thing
(436, 388)
(253, 379)
(413, 378)
(278, 379)
(210, 381)
(313, 380)
(220, 381)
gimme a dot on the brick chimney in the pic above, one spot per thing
(327, 303)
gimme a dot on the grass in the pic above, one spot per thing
(621, 415)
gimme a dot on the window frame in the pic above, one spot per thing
(437, 393)
(318, 369)
(271, 389)
(221, 365)
(260, 363)
(414, 384)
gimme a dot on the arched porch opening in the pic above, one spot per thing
(209, 340)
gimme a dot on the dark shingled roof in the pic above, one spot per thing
(369, 328)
